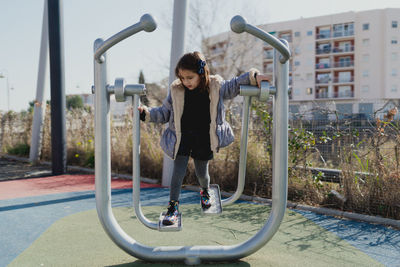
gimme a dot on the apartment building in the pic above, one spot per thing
(349, 62)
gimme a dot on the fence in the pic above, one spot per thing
(323, 141)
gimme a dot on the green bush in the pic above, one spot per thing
(20, 149)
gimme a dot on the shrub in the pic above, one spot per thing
(20, 149)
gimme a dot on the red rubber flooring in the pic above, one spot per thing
(57, 184)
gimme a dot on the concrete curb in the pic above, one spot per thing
(318, 210)
(82, 169)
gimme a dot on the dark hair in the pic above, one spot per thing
(195, 62)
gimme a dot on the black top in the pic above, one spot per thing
(196, 112)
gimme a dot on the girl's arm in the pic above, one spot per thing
(159, 114)
(230, 89)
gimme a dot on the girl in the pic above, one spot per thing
(197, 127)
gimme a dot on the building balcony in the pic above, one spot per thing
(268, 57)
(287, 37)
(330, 95)
(343, 64)
(323, 80)
(323, 35)
(343, 49)
(269, 70)
(323, 66)
(343, 80)
(337, 34)
(323, 50)
(345, 94)
(322, 95)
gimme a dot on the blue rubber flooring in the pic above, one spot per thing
(23, 220)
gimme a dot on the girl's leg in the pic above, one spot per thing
(201, 168)
(178, 173)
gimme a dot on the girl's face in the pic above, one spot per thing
(189, 78)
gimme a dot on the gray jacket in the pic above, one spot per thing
(171, 111)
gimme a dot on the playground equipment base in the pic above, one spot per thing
(215, 199)
(177, 226)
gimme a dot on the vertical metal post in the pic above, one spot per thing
(58, 128)
(39, 105)
(136, 165)
(102, 143)
(177, 49)
(280, 135)
(243, 152)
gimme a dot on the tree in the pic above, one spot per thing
(143, 98)
(74, 101)
(141, 77)
(227, 53)
(31, 106)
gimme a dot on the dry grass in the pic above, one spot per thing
(377, 193)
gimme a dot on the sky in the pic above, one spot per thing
(86, 20)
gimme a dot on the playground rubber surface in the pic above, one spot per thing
(52, 221)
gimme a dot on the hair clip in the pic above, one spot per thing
(201, 63)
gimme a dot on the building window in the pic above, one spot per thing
(365, 42)
(297, 63)
(394, 24)
(297, 34)
(344, 109)
(309, 91)
(286, 35)
(309, 33)
(394, 72)
(365, 26)
(365, 89)
(268, 68)
(394, 56)
(323, 78)
(365, 58)
(294, 108)
(394, 88)
(365, 73)
(366, 108)
(268, 53)
(297, 77)
(394, 41)
(343, 29)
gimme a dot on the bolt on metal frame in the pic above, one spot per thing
(188, 254)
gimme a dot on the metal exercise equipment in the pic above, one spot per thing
(187, 254)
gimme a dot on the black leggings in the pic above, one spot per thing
(179, 171)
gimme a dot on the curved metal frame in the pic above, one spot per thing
(188, 254)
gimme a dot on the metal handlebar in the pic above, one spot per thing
(146, 23)
(239, 25)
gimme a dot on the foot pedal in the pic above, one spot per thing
(177, 226)
(215, 199)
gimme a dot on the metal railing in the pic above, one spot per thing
(322, 65)
(343, 64)
(346, 49)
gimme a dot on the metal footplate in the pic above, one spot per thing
(177, 226)
(215, 199)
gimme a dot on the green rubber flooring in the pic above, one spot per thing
(79, 239)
